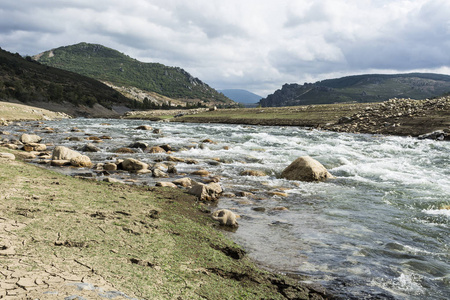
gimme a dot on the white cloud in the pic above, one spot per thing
(257, 45)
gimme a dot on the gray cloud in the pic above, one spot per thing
(256, 45)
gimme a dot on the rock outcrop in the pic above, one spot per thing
(306, 168)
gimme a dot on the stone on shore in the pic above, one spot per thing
(206, 192)
(306, 168)
(166, 184)
(9, 156)
(184, 182)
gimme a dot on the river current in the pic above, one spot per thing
(380, 230)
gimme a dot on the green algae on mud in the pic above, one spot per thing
(152, 243)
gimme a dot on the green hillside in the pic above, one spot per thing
(29, 81)
(361, 88)
(109, 65)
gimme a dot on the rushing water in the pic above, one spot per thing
(379, 230)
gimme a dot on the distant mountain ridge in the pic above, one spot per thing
(360, 88)
(28, 81)
(109, 65)
(241, 96)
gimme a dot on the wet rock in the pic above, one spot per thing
(60, 162)
(30, 138)
(253, 173)
(175, 159)
(140, 145)
(34, 147)
(93, 138)
(206, 192)
(209, 141)
(156, 149)
(172, 169)
(438, 135)
(259, 209)
(81, 161)
(158, 173)
(74, 139)
(157, 131)
(166, 147)
(110, 167)
(90, 148)
(306, 168)
(124, 150)
(279, 194)
(200, 173)
(144, 127)
(133, 165)
(225, 217)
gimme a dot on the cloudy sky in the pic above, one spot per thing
(256, 45)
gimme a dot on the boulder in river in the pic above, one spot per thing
(81, 161)
(134, 165)
(306, 168)
(144, 127)
(253, 173)
(90, 148)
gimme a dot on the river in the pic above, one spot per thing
(379, 230)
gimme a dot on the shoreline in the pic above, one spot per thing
(121, 239)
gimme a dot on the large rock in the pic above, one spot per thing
(81, 161)
(134, 165)
(306, 168)
(206, 192)
(64, 153)
(30, 138)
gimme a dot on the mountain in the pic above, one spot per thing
(241, 96)
(118, 69)
(360, 88)
(28, 81)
